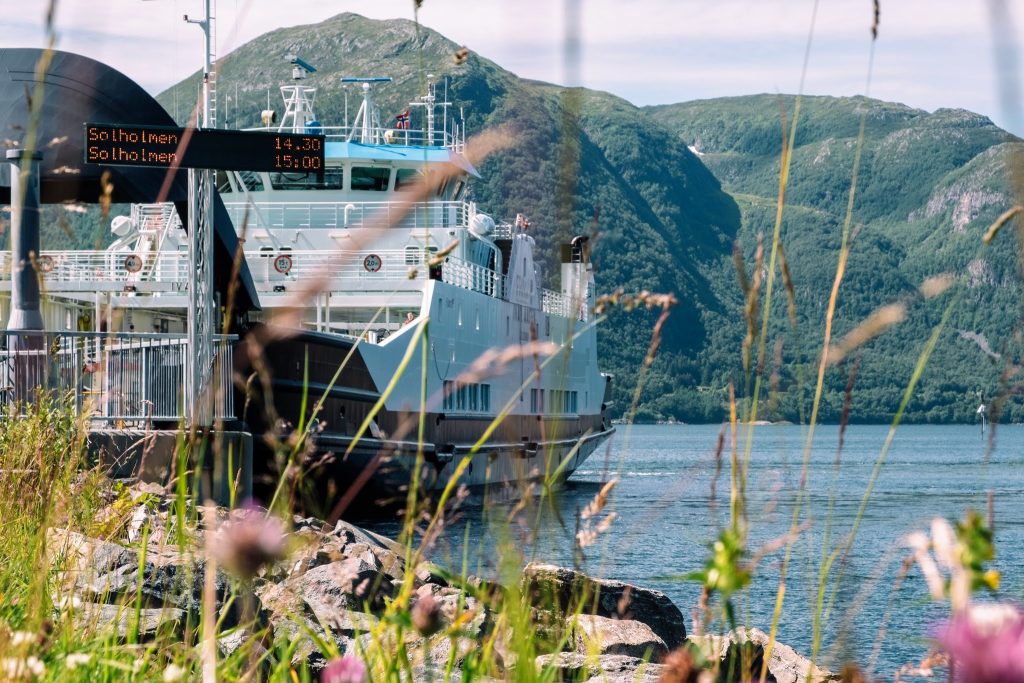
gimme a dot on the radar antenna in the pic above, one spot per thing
(298, 99)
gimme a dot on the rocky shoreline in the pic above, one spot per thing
(142, 576)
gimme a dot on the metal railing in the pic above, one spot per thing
(340, 215)
(471, 276)
(392, 136)
(557, 303)
(82, 270)
(118, 378)
(349, 270)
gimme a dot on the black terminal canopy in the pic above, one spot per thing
(76, 90)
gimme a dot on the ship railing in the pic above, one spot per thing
(82, 270)
(342, 215)
(155, 218)
(558, 303)
(455, 271)
(121, 379)
(380, 135)
(372, 269)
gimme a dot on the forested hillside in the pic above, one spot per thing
(929, 186)
(588, 162)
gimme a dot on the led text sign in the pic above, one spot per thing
(228, 150)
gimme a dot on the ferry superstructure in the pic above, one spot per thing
(410, 299)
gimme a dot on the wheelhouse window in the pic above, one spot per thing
(330, 179)
(406, 177)
(370, 178)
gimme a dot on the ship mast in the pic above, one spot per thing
(366, 121)
(200, 255)
(209, 112)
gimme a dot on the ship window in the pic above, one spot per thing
(293, 181)
(413, 255)
(474, 396)
(460, 397)
(508, 326)
(223, 183)
(485, 398)
(333, 179)
(449, 395)
(253, 181)
(533, 400)
(477, 319)
(405, 177)
(460, 315)
(370, 178)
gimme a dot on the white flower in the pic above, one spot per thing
(16, 668)
(945, 544)
(172, 673)
(77, 659)
(72, 602)
(19, 638)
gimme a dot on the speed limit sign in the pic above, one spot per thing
(283, 263)
(133, 263)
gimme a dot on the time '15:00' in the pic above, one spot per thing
(291, 162)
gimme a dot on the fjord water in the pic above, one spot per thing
(666, 519)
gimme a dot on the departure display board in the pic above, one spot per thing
(227, 150)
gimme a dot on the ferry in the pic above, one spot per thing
(397, 322)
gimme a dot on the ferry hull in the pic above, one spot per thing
(376, 465)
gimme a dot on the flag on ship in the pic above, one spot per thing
(402, 120)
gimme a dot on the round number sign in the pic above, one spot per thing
(133, 263)
(283, 263)
(372, 263)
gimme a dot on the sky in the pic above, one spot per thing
(929, 53)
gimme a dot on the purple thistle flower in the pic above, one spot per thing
(986, 644)
(249, 540)
(347, 669)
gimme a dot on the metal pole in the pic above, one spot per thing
(200, 318)
(26, 350)
(25, 313)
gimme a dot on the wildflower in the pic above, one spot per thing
(173, 672)
(77, 659)
(426, 616)
(963, 551)
(346, 669)
(19, 638)
(248, 541)
(986, 643)
(17, 668)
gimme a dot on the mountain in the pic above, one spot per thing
(928, 187)
(666, 191)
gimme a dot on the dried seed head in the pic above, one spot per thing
(250, 540)
(426, 616)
